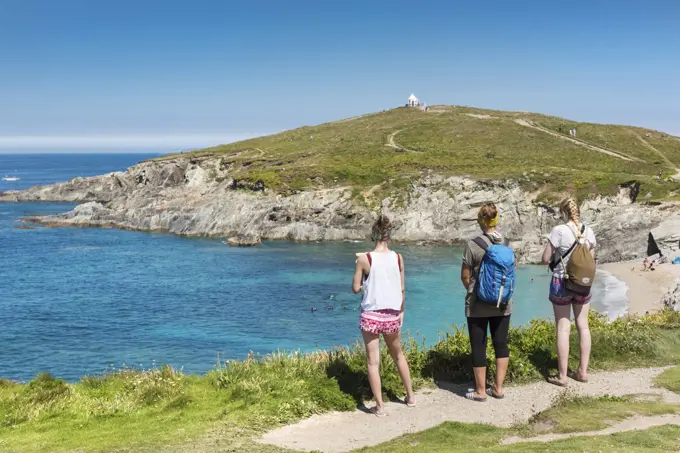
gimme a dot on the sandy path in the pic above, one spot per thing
(645, 289)
(392, 144)
(526, 123)
(340, 432)
(637, 423)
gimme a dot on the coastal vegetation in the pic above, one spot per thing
(133, 410)
(383, 153)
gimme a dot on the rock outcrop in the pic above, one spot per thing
(666, 236)
(243, 241)
(671, 300)
(199, 197)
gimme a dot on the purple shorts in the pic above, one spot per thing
(560, 295)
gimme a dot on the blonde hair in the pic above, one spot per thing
(571, 210)
(487, 216)
(382, 229)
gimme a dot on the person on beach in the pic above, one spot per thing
(380, 275)
(482, 315)
(562, 244)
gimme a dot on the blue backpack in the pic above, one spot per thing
(496, 279)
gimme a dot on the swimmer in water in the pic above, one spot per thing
(313, 309)
(330, 307)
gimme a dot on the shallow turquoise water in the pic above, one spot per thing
(78, 301)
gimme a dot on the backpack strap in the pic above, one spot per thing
(481, 242)
(399, 261)
(370, 260)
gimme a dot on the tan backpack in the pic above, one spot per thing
(580, 269)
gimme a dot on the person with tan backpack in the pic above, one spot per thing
(570, 253)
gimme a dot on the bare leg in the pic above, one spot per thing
(394, 345)
(581, 315)
(501, 371)
(480, 381)
(563, 323)
(373, 355)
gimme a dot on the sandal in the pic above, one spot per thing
(377, 412)
(411, 404)
(556, 381)
(492, 393)
(578, 377)
(471, 396)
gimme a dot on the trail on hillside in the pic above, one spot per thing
(345, 431)
(575, 141)
(637, 423)
(392, 144)
(647, 145)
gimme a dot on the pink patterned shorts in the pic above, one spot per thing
(380, 321)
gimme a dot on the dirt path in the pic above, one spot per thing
(341, 432)
(647, 145)
(392, 144)
(637, 423)
(618, 155)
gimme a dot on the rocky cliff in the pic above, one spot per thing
(198, 197)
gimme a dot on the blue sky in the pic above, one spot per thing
(160, 73)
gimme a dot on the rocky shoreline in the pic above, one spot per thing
(199, 197)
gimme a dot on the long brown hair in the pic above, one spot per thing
(570, 209)
(382, 229)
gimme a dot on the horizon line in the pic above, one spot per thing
(180, 141)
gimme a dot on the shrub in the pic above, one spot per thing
(45, 389)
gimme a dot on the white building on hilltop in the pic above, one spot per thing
(413, 101)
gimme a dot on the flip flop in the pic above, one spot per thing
(577, 377)
(409, 404)
(556, 381)
(471, 396)
(492, 393)
(375, 411)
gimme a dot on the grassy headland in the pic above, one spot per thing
(133, 409)
(534, 149)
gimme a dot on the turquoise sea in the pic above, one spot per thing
(82, 301)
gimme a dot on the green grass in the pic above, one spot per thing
(450, 142)
(579, 414)
(133, 409)
(670, 379)
(460, 438)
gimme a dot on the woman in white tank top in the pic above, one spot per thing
(380, 274)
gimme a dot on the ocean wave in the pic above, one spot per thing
(79, 248)
(609, 295)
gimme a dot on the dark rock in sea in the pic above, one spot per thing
(244, 241)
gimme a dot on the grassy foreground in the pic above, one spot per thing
(386, 151)
(134, 409)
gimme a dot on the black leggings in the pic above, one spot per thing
(499, 326)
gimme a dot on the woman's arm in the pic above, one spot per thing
(465, 275)
(403, 286)
(362, 267)
(548, 253)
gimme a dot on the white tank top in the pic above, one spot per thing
(382, 287)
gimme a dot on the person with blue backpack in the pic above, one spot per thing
(488, 274)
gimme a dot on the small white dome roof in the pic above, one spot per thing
(412, 97)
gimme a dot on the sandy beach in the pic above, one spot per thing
(645, 288)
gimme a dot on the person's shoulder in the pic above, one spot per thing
(559, 230)
(472, 243)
